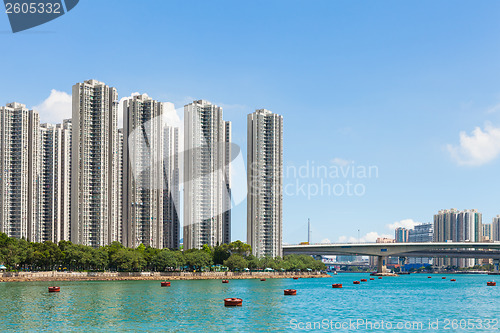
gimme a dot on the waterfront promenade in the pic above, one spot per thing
(119, 276)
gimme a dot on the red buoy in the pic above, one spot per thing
(491, 283)
(356, 282)
(337, 285)
(453, 280)
(295, 277)
(290, 292)
(364, 280)
(225, 281)
(380, 278)
(444, 278)
(54, 289)
(233, 302)
(263, 279)
(429, 277)
(371, 279)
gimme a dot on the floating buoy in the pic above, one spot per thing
(295, 277)
(290, 292)
(225, 281)
(453, 280)
(263, 279)
(491, 283)
(429, 277)
(54, 289)
(356, 282)
(380, 278)
(165, 284)
(337, 285)
(444, 278)
(371, 279)
(233, 302)
(364, 280)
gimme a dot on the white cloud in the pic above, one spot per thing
(407, 223)
(325, 241)
(55, 108)
(493, 109)
(341, 162)
(479, 148)
(370, 237)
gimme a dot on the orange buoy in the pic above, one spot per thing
(371, 279)
(356, 282)
(290, 292)
(165, 284)
(54, 289)
(337, 285)
(233, 302)
(444, 278)
(295, 277)
(380, 278)
(225, 281)
(491, 283)
(453, 280)
(263, 279)
(364, 280)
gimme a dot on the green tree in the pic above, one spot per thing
(166, 260)
(196, 259)
(240, 248)
(220, 253)
(236, 262)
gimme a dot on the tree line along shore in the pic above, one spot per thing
(20, 255)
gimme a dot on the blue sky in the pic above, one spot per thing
(389, 84)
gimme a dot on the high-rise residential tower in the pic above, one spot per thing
(495, 229)
(19, 158)
(143, 172)
(206, 175)
(94, 180)
(65, 194)
(265, 183)
(458, 226)
(421, 233)
(402, 235)
(119, 229)
(487, 232)
(171, 193)
(50, 182)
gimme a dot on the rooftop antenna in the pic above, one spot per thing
(309, 231)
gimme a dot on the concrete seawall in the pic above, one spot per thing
(117, 276)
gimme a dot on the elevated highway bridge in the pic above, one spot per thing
(384, 250)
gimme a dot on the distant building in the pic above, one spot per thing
(495, 229)
(421, 233)
(402, 235)
(487, 233)
(458, 226)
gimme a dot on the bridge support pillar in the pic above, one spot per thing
(496, 263)
(381, 264)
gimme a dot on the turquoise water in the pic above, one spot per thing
(198, 305)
